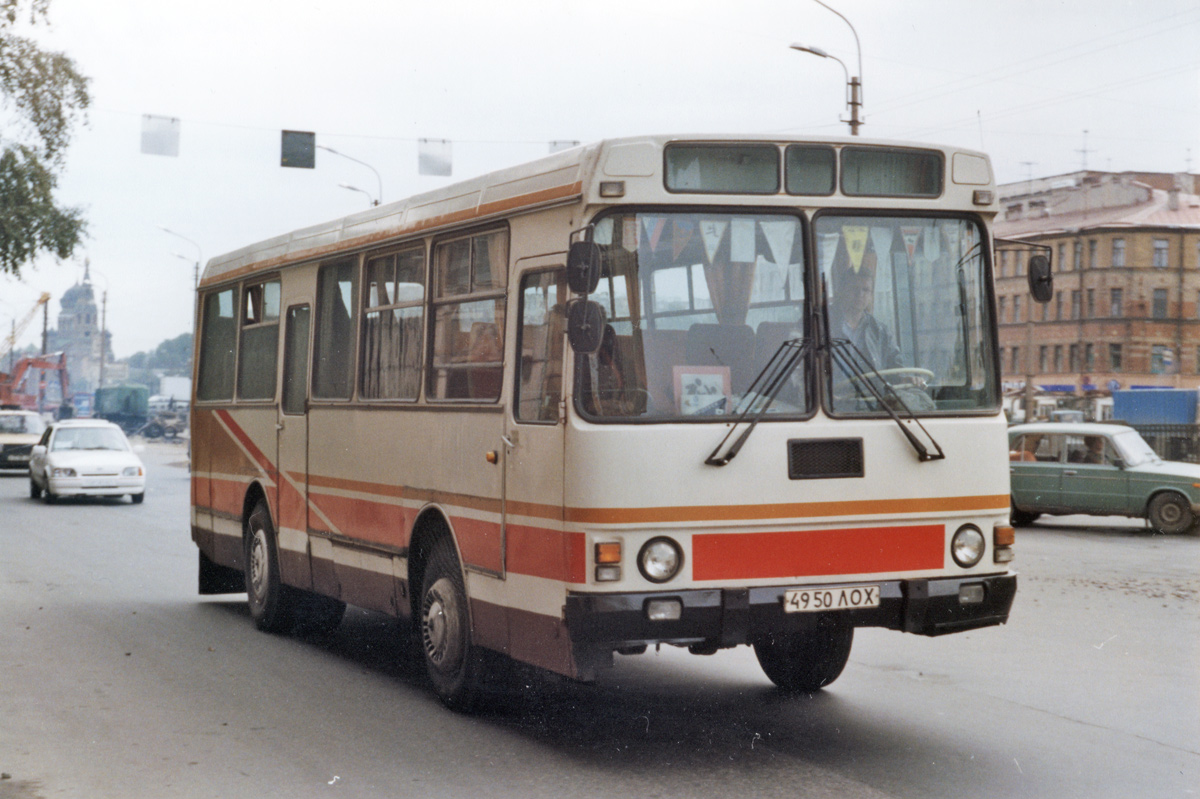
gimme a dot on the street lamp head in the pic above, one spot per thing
(804, 48)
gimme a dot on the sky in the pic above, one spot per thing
(1043, 86)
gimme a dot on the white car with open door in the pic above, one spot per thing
(85, 457)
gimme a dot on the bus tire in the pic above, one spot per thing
(1170, 514)
(804, 661)
(272, 604)
(454, 664)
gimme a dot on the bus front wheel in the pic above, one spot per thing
(804, 661)
(271, 602)
(453, 662)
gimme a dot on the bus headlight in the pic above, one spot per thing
(967, 546)
(660, 559)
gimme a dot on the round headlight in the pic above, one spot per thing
(660, 559)
(967, 546)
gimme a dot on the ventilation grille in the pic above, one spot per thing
(817, 458)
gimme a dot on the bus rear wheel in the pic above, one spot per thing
(272, 604)
(453, 662)
(804, 661)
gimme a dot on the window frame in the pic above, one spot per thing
(439, 298)
(366, 311)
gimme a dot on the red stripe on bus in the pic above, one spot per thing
(806, 553)
(376, 522)
(551, 554)
(261, 459)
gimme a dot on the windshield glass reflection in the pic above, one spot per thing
(696, 305)
(907, 300)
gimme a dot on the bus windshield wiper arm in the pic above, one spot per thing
(848, 357)
(760, 395)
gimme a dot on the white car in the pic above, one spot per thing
(85, 457)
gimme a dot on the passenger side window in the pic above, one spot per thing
(218, 335)
(333, 356)
(394, 325)
(540, 347)
(258, 347)
(468, 317)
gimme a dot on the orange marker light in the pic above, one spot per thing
(609, 552)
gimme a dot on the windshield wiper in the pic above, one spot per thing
(759, 396)
(848, 357)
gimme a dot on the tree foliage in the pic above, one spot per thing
(44, 96)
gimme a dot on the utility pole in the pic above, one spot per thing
(42, 372)
(103, 335)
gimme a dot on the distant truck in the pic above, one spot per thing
(1156, 406)
(126, 405)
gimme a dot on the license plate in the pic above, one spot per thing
(808, 600)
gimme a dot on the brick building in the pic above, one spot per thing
(1126, 259)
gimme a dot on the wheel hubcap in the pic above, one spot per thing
(440, 626)
(258, 563)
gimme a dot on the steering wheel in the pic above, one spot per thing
(840, 388)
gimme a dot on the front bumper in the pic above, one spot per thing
(96, 486)
(727, 617)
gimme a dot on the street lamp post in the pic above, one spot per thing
(854, 82)
(374, 202)
(379, 180)
(199, 255)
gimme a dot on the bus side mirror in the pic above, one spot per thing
(583, 267)
(585, 326)
(1041, 281)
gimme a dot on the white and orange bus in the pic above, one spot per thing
(700, 391)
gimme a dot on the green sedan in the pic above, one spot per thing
(1099, 469)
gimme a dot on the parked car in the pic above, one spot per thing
(1099, 469)
(19, 431)
(85, 457)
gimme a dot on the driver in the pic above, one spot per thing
(851, 319)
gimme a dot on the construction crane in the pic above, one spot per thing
(10, 341)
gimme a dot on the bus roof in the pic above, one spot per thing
(563, 177)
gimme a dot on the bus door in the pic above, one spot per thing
(291, 499)
(533, 462)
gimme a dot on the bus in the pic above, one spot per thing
(703, 391)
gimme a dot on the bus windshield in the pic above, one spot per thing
(907, 314)
(697, 303)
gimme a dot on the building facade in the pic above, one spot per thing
(78, 333)
(1125, 249)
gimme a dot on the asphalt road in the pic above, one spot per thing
(117, 680)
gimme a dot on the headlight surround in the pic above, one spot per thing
(660, 559)
(967, 546)
(132, 471)
(62, 471)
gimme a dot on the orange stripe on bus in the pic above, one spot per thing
(864, 550)
(793, 510)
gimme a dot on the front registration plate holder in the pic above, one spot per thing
(813, 600)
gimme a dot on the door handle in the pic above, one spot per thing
(1070, 472)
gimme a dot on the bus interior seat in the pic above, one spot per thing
(723, 345)
(664, 350)
(768, 338)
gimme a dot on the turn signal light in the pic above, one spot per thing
(608, 552)
(1003, 538)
